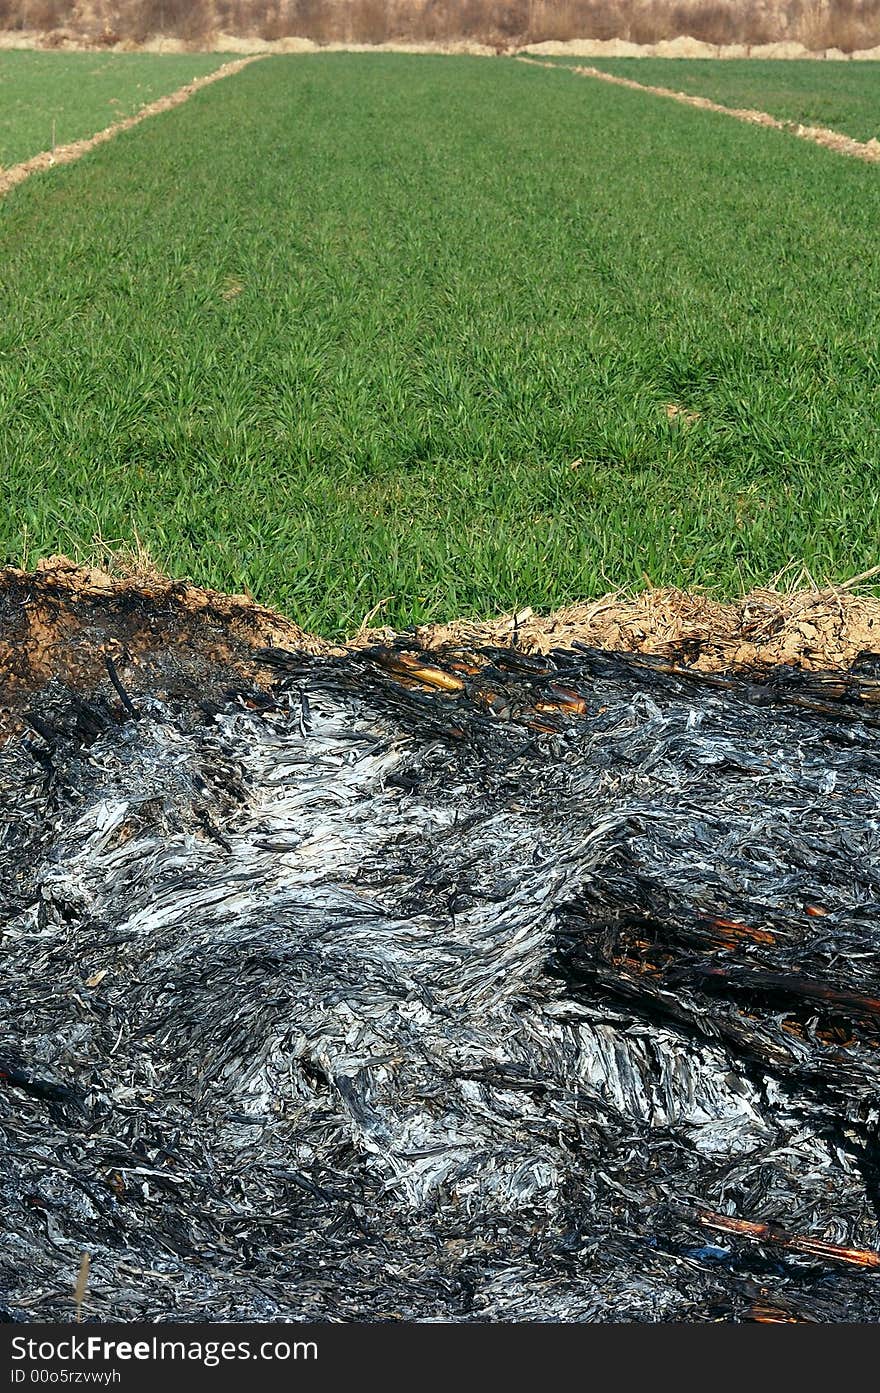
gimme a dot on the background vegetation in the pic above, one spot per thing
(819, 24)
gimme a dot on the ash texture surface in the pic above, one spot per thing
(424, 988)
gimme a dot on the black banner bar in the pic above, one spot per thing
(255, 1357)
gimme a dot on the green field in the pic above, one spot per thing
(82, 93)
(843, 96)
(345, 328)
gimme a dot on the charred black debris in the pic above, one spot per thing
(444, 986)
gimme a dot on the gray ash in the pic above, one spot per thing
(422, 988)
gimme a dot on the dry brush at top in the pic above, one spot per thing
(818, 24)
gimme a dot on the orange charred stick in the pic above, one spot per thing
(574, 705)
(801, 1243)
(570, 700)
(408, 665)
(737, 930)
(436, 677)
(563, 699)
(804, 987)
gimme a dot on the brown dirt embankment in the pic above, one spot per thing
(62, 621)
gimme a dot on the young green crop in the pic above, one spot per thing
(77, 94)
(345, 328)
(843, 96)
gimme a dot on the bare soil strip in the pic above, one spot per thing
(66, 154)
(819, 135)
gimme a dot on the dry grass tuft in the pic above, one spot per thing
(121, 560)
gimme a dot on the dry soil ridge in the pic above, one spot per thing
(66, 154)
(61, 621)
(820, 135)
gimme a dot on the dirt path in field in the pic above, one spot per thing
(819, 135)
(66, 154)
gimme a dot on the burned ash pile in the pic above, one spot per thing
(443, 987)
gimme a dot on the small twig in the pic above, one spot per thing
(857, 580)
(82, 1281)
